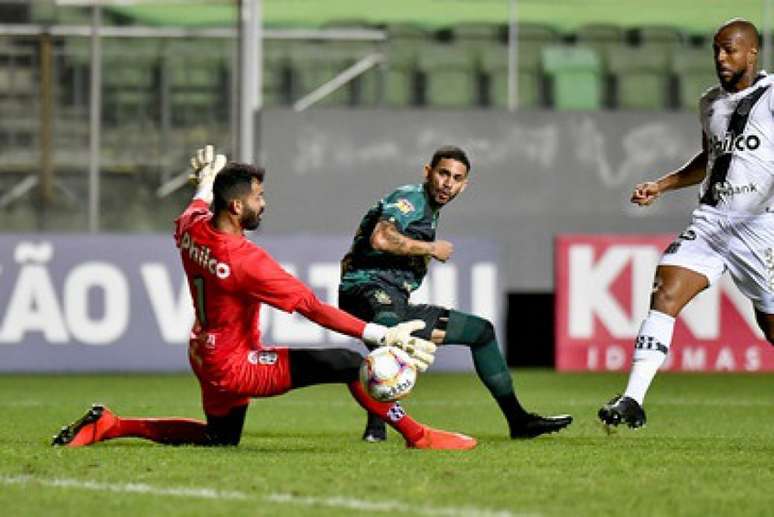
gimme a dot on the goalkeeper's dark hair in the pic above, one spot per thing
(234, 182)
(451, 152)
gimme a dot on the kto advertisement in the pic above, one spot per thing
(121, 303)
(603, 286)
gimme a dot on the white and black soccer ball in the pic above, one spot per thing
(388, 374)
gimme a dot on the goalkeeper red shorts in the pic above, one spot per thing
(251, 374)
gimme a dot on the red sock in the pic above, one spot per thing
(391, 412)
(170, 431)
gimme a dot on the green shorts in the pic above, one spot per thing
(389, 305)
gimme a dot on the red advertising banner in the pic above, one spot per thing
(603, 285)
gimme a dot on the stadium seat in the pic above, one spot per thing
(493, 63)
(668, 38)
(400, 82)
(601, 37)
(641, 78)
(576, 77)
(196, 78)
(449, 75)
(314, 63)
(276, 74)
(695, 73)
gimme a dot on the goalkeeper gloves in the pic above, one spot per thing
(421, 351)
(206, 165)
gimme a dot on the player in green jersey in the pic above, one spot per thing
(388, 260)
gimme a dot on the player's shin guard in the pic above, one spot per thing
(650, 351)
(390, 412)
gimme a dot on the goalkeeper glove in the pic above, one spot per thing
(420, 350)
(206, 165)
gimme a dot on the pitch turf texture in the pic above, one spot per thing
(707, 450)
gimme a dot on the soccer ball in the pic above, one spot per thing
(387, 374)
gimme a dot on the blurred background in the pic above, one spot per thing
(563, 106)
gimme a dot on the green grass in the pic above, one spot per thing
(707, 450)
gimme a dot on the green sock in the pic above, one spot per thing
(478, 334)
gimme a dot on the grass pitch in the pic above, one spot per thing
(708, 449)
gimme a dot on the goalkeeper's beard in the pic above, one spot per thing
(251, 219)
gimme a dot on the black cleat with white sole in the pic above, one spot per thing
(375, 431)
(534, 425)
(622, 409)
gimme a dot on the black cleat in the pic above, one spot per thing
(375, 430)
(535, 425)
(69, 432)
(622, 409)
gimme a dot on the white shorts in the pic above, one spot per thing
(743, 244)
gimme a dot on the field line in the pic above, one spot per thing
(392, 507)
(347, 503)
(129, 488)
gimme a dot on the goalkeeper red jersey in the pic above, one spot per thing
(229, 278)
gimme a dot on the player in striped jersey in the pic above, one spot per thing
(733, 227)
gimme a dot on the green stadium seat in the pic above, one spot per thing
(449, 76)
(276, 74)
(601, 37)
(492, 59)
(536, 33)
(695, 73)
(400, 72)
(668, 38)
(479, 32)
(642, 78)
(314, 63)
(493, 63)
(196, 79)
(576, 73)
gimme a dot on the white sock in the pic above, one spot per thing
(650, 351)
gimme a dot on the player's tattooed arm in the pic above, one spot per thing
(387, 238)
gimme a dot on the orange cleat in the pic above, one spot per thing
(437, 439)
(88, 429)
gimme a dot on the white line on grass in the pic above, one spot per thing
(390, 506)
(134, 488)
(347, 503)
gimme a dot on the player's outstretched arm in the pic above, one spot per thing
(373, 335)
(387, 238)
(689, 174)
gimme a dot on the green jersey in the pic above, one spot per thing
(409, 209)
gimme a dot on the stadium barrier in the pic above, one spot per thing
(121, 303)
(603, 285)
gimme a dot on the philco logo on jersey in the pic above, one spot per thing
(404, 205)
(729, 143)
(201, 256)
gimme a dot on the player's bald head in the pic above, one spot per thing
(740, 28)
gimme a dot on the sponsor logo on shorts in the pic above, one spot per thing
(687, 235)
(265, 357)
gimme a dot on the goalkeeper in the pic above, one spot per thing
(229, 278)
(388, 260)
